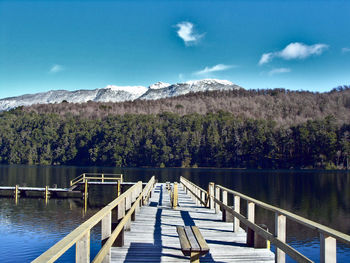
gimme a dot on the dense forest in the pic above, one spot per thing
(285, 107)
(217, 139)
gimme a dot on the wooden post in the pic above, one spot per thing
(217, 196)
(236, 206)
(175, 196)
(251, 218)
(120, 213)
(328, 249)
(280, 232)
(211, 194)
(103, 178)
(118, 188)
(83, 178)
(16, 194)
(259, 241)
(106, 230)
(127, 207)
(121, 178)
(46, 194)
(85, 194)
(194, 258)
(203, 196)
(82, 251)
(226, 216)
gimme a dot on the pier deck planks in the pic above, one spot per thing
(153, 236)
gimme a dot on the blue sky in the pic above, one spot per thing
(297, 45)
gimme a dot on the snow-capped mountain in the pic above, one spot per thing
(113, 93)
(189, 86)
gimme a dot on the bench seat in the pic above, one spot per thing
(192, 242)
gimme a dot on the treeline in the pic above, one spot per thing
(170, 140)
(285, 107)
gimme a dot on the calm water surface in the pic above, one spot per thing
(31, 227)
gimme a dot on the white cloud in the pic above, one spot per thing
(218, 67)
(345, 50)
(186, 33)
(56, 68)
(279, 71)
(294, 51)
(266, 58)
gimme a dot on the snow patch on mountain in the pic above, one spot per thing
(159, 85)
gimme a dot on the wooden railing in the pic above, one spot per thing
(120, 212)
(96, 177)
(199, 195)
(218, 196)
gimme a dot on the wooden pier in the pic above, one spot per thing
(141, 226)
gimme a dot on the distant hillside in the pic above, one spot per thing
(283, 106)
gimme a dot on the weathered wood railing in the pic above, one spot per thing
(218, 196)
(118, 213)
(199, 195)
(96, 176)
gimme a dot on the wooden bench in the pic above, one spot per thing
(192, 242)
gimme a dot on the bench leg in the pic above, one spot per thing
(195, 257)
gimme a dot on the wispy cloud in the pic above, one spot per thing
(187, 34)
(294, 51)
(279, 71)
(218, 67)
(56, 68)
(345, 50)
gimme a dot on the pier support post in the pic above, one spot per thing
(251, 218)
(217, 196)
(175, 195)
(236, 207)
(16, 194)
(280, 232)
(328, 249)
(85, 194)
(118, 214)
(127, 207)
(118, 188)
(226, 216)
(211, 195)
(106, 230)
(82, 251)
(46, 194)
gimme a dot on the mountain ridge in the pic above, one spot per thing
(112, 93)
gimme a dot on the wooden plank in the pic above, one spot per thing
(201, 241)
(185, 244)
(192, 239)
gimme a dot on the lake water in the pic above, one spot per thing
(31, 227)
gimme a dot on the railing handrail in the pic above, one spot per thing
(182, 179)
(68, 241)
(304, 221)
(96, 176)
(109, 242)
(327, 248)
(293, 253)
(188, 181)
